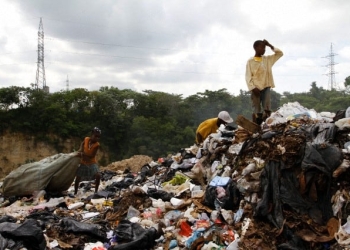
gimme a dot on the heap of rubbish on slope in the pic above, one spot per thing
(283, 187)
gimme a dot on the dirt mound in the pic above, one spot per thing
(134, 163)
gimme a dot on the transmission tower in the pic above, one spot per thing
(331, 72)
(40, 81)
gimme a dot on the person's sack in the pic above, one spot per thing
(54, 174)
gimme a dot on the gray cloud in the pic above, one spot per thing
(170, 45)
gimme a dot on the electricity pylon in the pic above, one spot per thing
(331, 72)
(40, 81)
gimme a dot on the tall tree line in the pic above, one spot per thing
(150, 123)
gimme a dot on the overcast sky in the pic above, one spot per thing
(174, 46)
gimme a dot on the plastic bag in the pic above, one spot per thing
(135, 235)
(132, 212)
(28, 234)
(347, 113)
(230, 201)
(70, 225)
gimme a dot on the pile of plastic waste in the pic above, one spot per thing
(284, 187)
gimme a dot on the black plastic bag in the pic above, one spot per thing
(321, 132)
(229, 202)
(159, 194)
(9, 244)
(280, 185)
(270, 183)
(340, 114)
(101, 194)
(7, 218)
(107, 175)
(290, 194)
(293, 242)
(44, 217)
(318, 164)
(28, 233)
(134, 236)
(70, 225)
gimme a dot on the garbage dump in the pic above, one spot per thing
(283, 186)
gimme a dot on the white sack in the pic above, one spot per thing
(54, 174)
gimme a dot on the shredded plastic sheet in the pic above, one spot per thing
(293, 110)
(343, 123)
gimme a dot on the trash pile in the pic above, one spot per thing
(286, 186)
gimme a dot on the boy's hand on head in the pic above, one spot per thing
(267, 43)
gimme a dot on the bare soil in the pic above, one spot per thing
(134, 164)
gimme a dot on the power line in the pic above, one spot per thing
(17, 63)
(166, 71)
(124, 57)
(83, 24)
(105, 26)
(157, 48)
(104, 55)
(144, 58)
(18, 52)
(131, 46)
(184, 72)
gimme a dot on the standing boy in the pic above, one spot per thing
(259, 79)
(88, 168)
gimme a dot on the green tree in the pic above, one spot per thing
(315, 91)
(152, 122)
(242, 105)
(10, 96)
(347, 85)
(347, 82)
(208, 104)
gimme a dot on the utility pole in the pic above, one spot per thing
(40, 81)
(331, 72)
